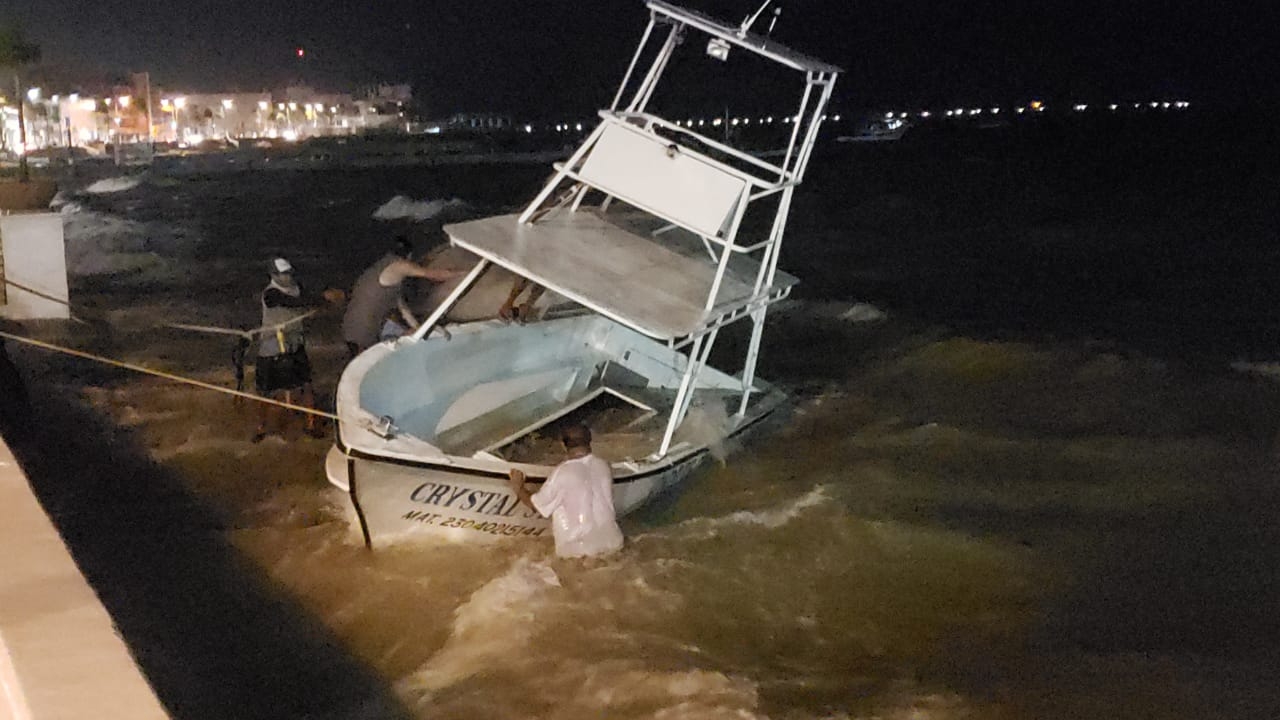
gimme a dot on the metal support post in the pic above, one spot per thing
(451, 300)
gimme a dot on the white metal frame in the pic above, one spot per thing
(761, 179)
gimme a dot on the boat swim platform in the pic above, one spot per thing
(657, 284)
(60, 656)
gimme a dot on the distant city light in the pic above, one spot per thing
(1021, 109)
(1036, 104)
(995, 111)
(924, 113)
(124, 101)
(300, 53)
(836, 118)
(227, 103)
(180, 102)
(264, 105)
(1113, 107)
(33, 94)
(579, 127)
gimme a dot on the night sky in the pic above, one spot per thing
(538, 58)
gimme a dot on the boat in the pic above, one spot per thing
(638, 232)
(879, 129)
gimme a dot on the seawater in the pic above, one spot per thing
(947, 522)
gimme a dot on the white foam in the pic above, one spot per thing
(494, 621)
(401, 208)
(858, 313)
(104, 244)
(114, 184)
(771, 518)
(1265, 369)
(778, 516)
(863, 313)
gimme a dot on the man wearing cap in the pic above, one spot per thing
(578, 497)
(283, 365)
(377, 293)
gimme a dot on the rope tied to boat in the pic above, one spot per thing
(237, 355)
(162, 374)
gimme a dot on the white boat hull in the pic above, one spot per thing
(463, 499)
(395, 502)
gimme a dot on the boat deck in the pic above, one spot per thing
(656, 285)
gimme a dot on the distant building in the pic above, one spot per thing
(480, 122)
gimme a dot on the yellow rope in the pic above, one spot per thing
(165, 375)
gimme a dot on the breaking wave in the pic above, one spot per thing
(105, 244)
(405, 208)
(114, 184)
(770, 518)
(496, 619)
(856, 313)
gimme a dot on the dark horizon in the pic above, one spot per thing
(536, 59)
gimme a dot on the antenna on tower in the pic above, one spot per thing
(751, 20)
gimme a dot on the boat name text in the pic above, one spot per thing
(482, 502)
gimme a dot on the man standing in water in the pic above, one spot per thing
(578, 497)
(283, 365)
(377, 293)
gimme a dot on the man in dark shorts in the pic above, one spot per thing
(283, 366)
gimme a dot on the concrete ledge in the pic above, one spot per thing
(60, 656)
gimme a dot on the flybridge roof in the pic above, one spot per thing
(751, 41)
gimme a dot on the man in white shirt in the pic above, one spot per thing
(578, 497)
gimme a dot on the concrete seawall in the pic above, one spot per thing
(60, 656)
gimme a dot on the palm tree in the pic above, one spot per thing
(15, 53)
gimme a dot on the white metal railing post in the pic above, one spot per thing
(728, 247)
(644, 40)
(659, 62)
(451, 300)
(685, 381)
(795, 126)
(564, 170)
(812, 135)
(753, 355)
(784, 211)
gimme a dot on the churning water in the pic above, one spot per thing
(956, 518)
